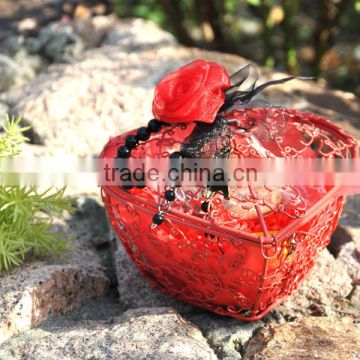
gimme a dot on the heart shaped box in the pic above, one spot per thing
(244, 274)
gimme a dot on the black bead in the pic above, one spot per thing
(175, 155)
(131, 141)
(143, 134)
(170, 195)
(127, 187)
(154, 125)
(123, 152)
(205, 206)
(158, 219)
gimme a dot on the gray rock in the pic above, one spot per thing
(12, 44)
(19, 70)
(350, 219)
(90, 222)
(339, 238)
(60, 43)
(135, 291)
(227, 336)
(103, 308)
(8, 72)
(101, 92)
(93, 29)
(4, 109)
(33, 45)
(307, 338)
(138, 34)
(325, 288)
(157, 334)
(349, 259)
(28, 66)
(351, 215)
(30, 294)
(355, 302)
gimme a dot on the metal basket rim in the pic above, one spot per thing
(219, 230)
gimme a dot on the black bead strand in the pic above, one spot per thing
(170, 195)
(205, 206)
(158, 219)
(123, 152)
(154, 125)
(142, 134)
(131, 142)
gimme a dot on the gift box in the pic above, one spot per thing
(236, 250)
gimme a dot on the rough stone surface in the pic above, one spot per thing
(351, 213)
(110, 89)
(18, 70)
(307, 338)
(349, 258)
(322, 292)
(57, 42)
(4, 109)
(158, 334)
(23, 57)
(137, 35)
(12, 44)
(92, 30)
(228, 337)
(7, 72)
(60, 43)
(90, 222)
(101, 91)
(354, 306)
(134, 290)
(350, 219)
(339, 238)
(28, 295)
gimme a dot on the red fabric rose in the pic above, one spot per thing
(194, 92)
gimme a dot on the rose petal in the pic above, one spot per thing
(194, 92)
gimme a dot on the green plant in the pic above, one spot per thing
(12, 137)
(26, 216)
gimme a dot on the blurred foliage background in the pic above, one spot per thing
(309, 37)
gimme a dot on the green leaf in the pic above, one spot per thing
(254, 2)
(357, 5)
(13, 137)
(26, 216)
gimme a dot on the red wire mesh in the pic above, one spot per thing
(243, 261)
